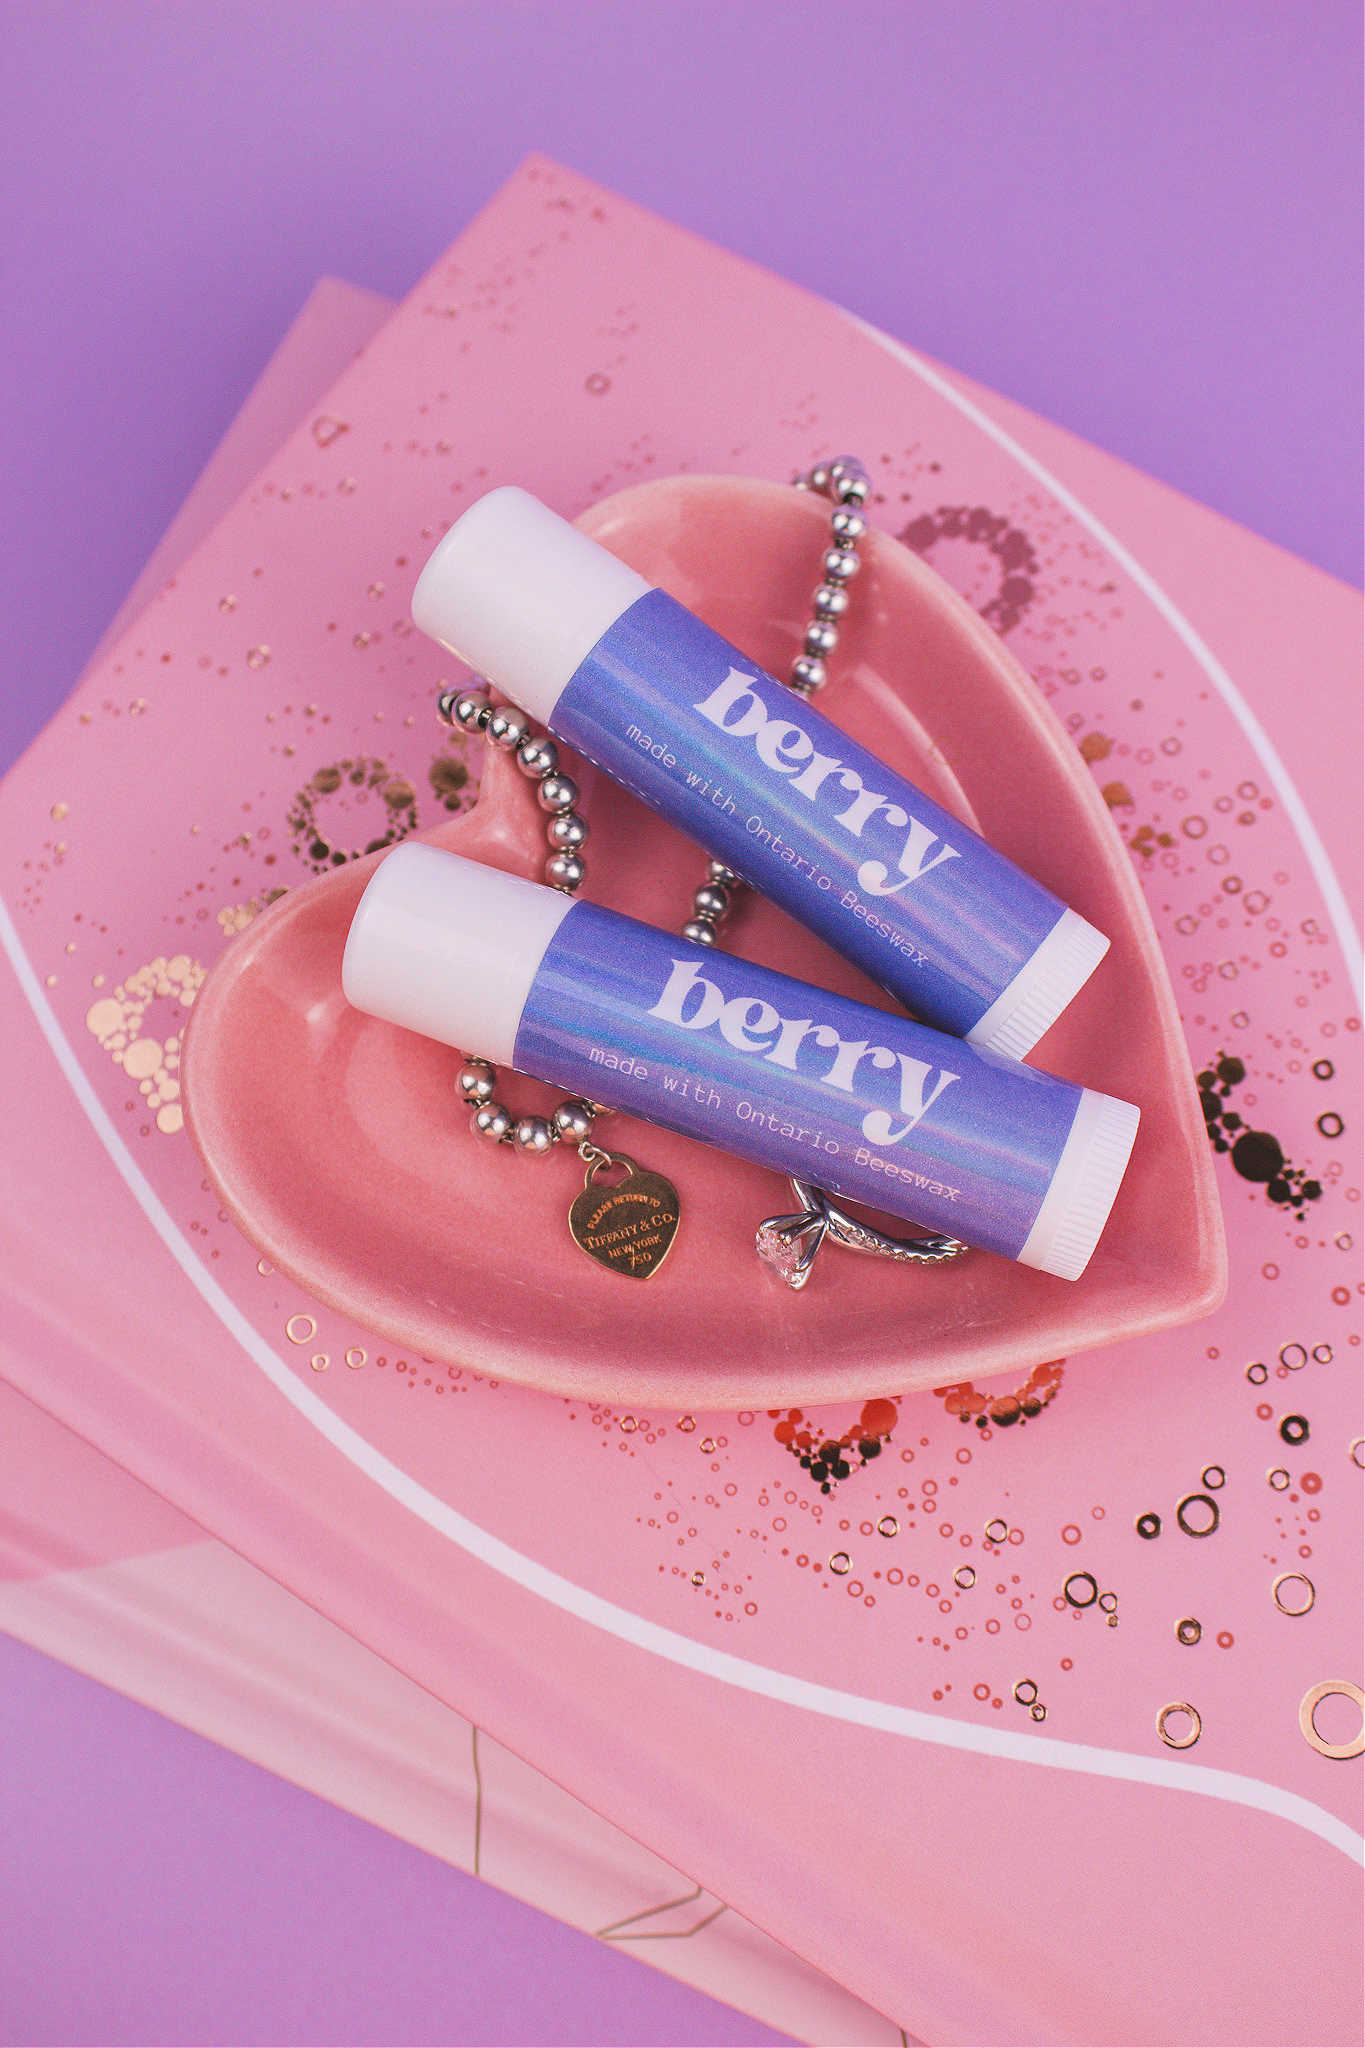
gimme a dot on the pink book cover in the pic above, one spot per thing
(821, 1707)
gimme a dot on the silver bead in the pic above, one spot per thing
(840, 565)
(491, 1121)
(821, 638)
(700, 930)
(848, 524)
(830, 601)
(711, 901)
(533, 1136)
(537, 756)
(566, 871)
(853, 490)
(507, 727)
(809, 673)
(445, 705)
(573, 1120)
(477, 1081)
(567, 830)
(716, 871)
(470, 709)
(557, 793)
(819, 478)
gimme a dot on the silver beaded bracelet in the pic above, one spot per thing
(788, 1244)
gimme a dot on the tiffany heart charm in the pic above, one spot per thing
(629, 1226)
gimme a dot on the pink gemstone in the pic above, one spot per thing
(779, 1251)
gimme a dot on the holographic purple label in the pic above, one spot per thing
(867, 1104)
(805, 814)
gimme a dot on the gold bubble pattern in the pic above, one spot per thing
(117, 1021)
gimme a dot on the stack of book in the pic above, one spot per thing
(636, 1666)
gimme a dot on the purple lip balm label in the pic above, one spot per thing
(782, 796)
(867, 1104)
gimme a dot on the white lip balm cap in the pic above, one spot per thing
(1042, 988)
(447, 947)
(1077, 1204)
(522, 596)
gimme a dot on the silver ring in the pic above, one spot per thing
(789, 1243)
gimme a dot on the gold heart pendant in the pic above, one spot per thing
(629, 1227)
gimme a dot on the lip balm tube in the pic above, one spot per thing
(633, 681)
(868, 1104)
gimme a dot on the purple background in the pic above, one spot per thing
(1141, 219)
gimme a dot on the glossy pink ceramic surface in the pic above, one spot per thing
(337, 1145)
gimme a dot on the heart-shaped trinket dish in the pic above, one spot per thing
(341, 1149)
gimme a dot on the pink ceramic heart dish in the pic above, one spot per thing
(340, 1149)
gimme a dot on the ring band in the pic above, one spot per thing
(789, 1243)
